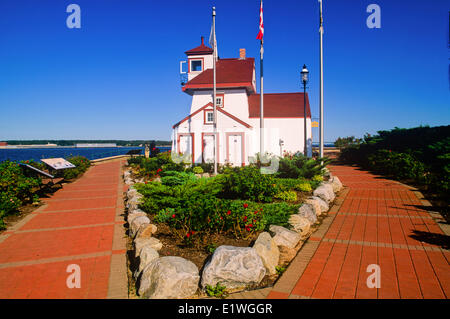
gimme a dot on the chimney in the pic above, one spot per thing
(241, 54)
(203, 40)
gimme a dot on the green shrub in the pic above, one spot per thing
(299, 166)
(173, 178)
(197, 170)
(217, 291)
(135, 160)
(304, 187)
(288, 196)
(15, 188)
(81, 165)
(247, 183)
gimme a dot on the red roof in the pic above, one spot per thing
(201, 49)
(229, 73)
(279, 105)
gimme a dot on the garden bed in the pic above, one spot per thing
(176, 211)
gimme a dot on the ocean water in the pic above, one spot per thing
(91, 153)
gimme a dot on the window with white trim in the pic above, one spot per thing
(219, 101)
(209, 117)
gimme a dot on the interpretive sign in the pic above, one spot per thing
(57, 163)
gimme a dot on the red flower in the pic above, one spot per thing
(158, 170)
(145, 182)
(221, 217)
(250, 225)
(229, 212)
(192, 232)
(187, 235)
(247, 228)
(173, 216)
(245, 218)
(245, 205)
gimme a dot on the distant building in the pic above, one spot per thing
(3, 144)
(238, 113)
(96, 145)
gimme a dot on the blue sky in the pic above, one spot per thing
(117, 77)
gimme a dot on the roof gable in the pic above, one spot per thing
(219, 110)
(201, 49)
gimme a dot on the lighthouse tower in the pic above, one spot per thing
(199, 59)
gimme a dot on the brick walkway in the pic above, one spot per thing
(375, 221)
(80, 224)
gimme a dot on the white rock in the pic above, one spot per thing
(315, 205)
(284, 236)
(126, 174)
(135, 213)
(336, 184)
(267, 249)
(129, 181)
(137, 223)
(169, 277)
(146, 255)
(300, 224)
(325, 191)
(131, 192)
(134, 202)
(307, 211)
(327, 173)
(151, 242)
(233, 267)
(324, 207)
(146, 231)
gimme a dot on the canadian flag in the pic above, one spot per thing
(261, 23)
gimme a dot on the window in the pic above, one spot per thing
(196, 65)
(209, 117)
(219, 101)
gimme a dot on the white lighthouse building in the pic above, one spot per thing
(238, 113)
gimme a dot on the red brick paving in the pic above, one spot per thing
(375, 224)
(76, 226)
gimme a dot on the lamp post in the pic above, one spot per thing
(304, 74)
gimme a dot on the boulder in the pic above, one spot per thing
(327, 173)
(126, 173)
(131, 192)
(151, 242)
(300, 224)
(267, 249)
(146, 255)
(129, 181)
(135, 213)
(315, 205)
(146, 231)
(137, 223)
(324, 207)
(307, 211)
(169, 277)
(336, 184)
(134, 202)
(234, 267)
(284, 236)
(325, 191)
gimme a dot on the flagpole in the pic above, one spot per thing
(214, 89)
(261, 120)
(321, 83)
